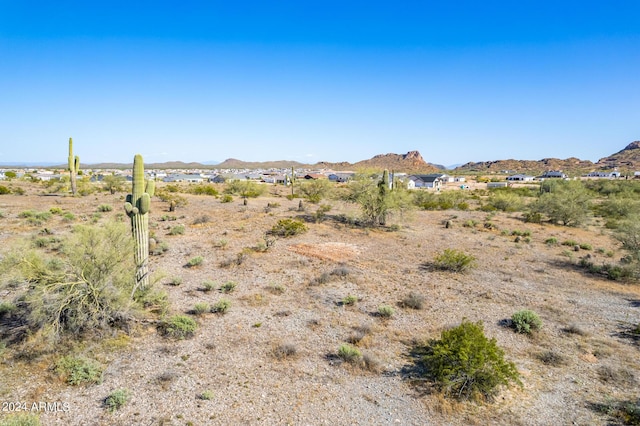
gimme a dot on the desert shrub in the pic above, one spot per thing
(228, 287)
(570, 243)
(623, 412)
(201, 220)
(117, 399)
(551, 357)
(78, 370)
(552, 241)
(105, 208)
(323, 278)
(86, 288)
(505, 201)
(276, 288)
(385, 311)
(283, 351)
(377, 202)
(4, 190)
(177, 230)
(349, 353)
(628, 234)
(55, 210)
(20, 419)
(226, 198)
(245, 189)
(586, 246)
(175, 281)
(612, 272)
(454, 260)
(204, 189)
(465, 364)
(288, 228)
(68, 217)
(221, 306)
(349, 300)
(526, 321)
(7, 308)
(208, 286)
(179, 327)
(201, 308)
(315, 190)
(567, 203)
(413, 301)
(195, 261)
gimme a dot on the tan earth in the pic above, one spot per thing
(291, 295)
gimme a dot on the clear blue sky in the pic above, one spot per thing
(318, 80)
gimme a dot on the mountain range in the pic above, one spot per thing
(627, 160)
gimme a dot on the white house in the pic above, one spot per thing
(425, 181)
(609, 175)
(520, 178)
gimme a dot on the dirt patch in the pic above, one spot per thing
(335, 252)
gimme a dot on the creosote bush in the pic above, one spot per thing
(465, 364)
(117, 399)
(385, 311)
(221, 306)
(349, 353)
(454, 260)
(78, 370)
(179, 327)
(526, 321)
(288, 228)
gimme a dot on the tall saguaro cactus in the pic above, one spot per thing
(74, 168)
(137, 208)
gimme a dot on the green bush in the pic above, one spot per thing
(204, 189)
(206, 395)
(465, 364)
(20, 419)
(4, 190)
(228, 287)
(201, 308)
(553, 241)
(526, 321)
(78, 370)
(288, 228)
(454, 260)
(105, 208)
(117, 399)
(177, 230)
(226, 198)
(349, 353)
(86, 288)
(385, 311)
(349, 300)
(195, 261)
(567, 203)
(221, 306)
(180, 327)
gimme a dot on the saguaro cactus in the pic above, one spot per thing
(74, 168)
(137, 208)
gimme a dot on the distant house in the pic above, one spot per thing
(341, 177)
(553, 174)
(606, 175)
(181, 177)
(425, 181)
(520, 178)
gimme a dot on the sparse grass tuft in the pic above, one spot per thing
(177, 230)
(228, 287)
(201, 308)
(349, 300)
(552, 358)
(206, 395)
(284, 351)
(105, 208)
(195, 261)
(385, 311)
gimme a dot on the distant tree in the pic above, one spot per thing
(10, 175)
(113, 183)
(567, 203)
(316, 190)
(375, 199)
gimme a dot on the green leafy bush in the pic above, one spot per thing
(349, 353)
(288, 228)
(526, 321)
(180, 327)
(117, 399)
(454, 260)
(221, 307)
(349, 300)
(385, 311)
(465, 364)
(78, 370)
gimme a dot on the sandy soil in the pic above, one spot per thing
(232, 355)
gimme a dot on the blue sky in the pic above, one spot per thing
(318, 81)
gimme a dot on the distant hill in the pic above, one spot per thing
(627, 159)
(411, 162)
(570, 165)
(232, 163)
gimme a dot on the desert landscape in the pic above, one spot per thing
(324, 324)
